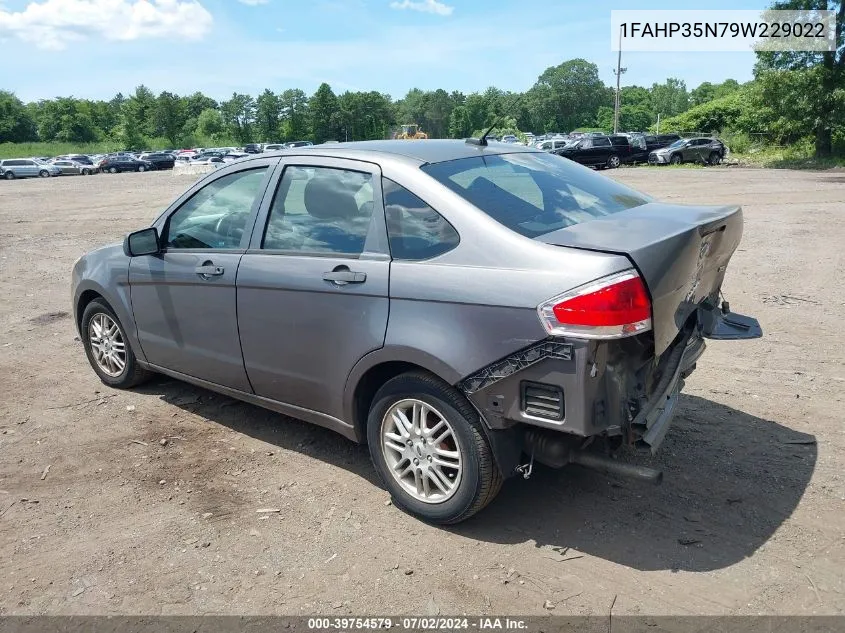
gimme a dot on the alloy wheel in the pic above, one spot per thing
(107, 344)
(421, 450)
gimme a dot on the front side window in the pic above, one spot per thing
(534, 193)
(415, 230)
(320, 211)
(216, 216)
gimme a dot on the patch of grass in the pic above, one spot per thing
(28, 150)
(792, 157)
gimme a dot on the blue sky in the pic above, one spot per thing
(95, 48)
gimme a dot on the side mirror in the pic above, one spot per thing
(143, 242)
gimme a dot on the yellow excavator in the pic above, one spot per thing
(411, 131)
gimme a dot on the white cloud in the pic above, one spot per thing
(51, 24)
(424, 6)
(253, 3)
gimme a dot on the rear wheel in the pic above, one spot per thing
(112, 170)
(430, 451)
(714, 158)
(142, 168)
(107, 348)
(613, 161)
(86, 172)
(44, 173)
(675, 160)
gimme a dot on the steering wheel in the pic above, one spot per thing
(226, 227)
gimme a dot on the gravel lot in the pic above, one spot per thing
(750, 517)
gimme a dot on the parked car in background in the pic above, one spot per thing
(622, 144)
(273, 147)
(232, 157)
(659, 141)
(709, 151)
(78, 158)
(594, 151)
(74, 168)
(509, 138)
(293, 144)
(208, 160)
(115, 164)
(159, 160)
(454, 383)
(552, 145)
(253, 148)
(28, 168)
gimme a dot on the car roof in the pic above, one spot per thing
(420, 151)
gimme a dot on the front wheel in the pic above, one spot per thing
(107, 348)
(714, 158)
(9, 175)
(86, 172)
(141, 168)
(112, 170)
(44, 173)
(675, 160)
(430, 450)
(613, 161)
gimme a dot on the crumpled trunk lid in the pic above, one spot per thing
(681, 251)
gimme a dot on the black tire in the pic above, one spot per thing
(675, 160)
(44, 173)
(480, 479)
(9, 175)
(112, 170)
(714, 158)
(613, 161)
(133, 374)
(86, 172)
(141, 168)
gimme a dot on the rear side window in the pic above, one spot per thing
(534, 193)
(320, 211)
(415, 230)
(601, 141)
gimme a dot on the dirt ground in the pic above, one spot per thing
(750, 518)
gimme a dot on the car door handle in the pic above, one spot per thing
(343, 277)
(209, 270)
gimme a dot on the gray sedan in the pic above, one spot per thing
(465, 309)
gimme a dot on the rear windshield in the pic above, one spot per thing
(534, 193)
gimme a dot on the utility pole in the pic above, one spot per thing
(619, 70)
(658, 123)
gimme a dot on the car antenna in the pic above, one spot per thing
(483, 140)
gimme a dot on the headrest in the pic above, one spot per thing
(328, 198)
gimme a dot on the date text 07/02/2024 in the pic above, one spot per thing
(410, 623)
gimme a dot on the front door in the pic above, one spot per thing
(183, 299)
(313, 286)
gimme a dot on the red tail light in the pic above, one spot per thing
(612, 307)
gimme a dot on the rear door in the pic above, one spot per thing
(313, 286)
(602, 149)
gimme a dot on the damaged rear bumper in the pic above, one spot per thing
(615, 389)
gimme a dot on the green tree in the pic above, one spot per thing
(294, 114)
(669, 98)
(196, 103)
(567, 96)
(822, 75)
(268, 111)
(239, 117)
(169, 117)
(460, 124)
(324, 115)
(210, 125)
(16, 123)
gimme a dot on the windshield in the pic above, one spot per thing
(677, 144)
(534, 193)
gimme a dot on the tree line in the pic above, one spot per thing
(794, 98)
(564, 98)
